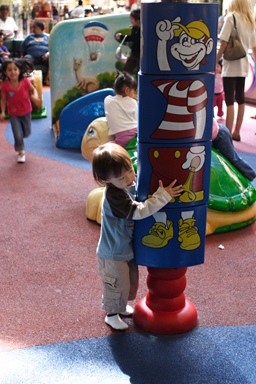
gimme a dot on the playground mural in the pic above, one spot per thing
(82, 61)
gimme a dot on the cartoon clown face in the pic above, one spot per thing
(194, 44)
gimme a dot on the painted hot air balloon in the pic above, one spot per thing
(95, 33)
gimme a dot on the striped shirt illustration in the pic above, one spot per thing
(184, 97)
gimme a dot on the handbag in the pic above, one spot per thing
(121, 56)
(235, 49)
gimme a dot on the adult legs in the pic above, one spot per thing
(240, 99)
(229, 90)
(230, 117)
(239, 119)
(234, 90)
(25, 24)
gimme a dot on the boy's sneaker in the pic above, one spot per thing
(128, 311)
(116, 322)
(21, 157)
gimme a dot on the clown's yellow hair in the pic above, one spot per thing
(196, 29)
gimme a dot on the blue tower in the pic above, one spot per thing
(176, 89)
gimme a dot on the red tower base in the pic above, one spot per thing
(165, 310)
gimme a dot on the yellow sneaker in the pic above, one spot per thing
(158, 236)
(188, 234)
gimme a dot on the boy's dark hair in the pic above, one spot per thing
(39, 24)
(25, 66)
(135, 13)
(124, 80)
(109, 160)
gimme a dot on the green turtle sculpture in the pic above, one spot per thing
(232, 197)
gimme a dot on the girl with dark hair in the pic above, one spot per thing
(133, 60)
(121, 110)
(17, 90)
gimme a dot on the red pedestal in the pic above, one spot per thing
(165, 310)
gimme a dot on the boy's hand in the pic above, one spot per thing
(2, 116)
(118, 36)
(173, 191)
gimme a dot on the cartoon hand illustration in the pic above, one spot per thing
(165, 29)
(195, 158)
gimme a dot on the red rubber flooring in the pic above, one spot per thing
(50, 290)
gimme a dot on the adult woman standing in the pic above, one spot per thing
(234, 72)
(8, 27)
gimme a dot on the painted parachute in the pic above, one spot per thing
(95, 33)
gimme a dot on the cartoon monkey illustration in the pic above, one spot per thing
(194, 43)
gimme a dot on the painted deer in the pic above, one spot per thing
(87, 83)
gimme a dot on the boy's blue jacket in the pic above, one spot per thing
(119, 210)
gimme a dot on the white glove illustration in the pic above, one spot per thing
(165, 29)
(195, 158)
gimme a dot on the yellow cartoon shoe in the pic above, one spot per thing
(188, 234)
(159, 235)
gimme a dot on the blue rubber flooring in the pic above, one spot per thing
(204, 355)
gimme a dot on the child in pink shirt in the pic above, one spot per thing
(218, 92)
(17, 91)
